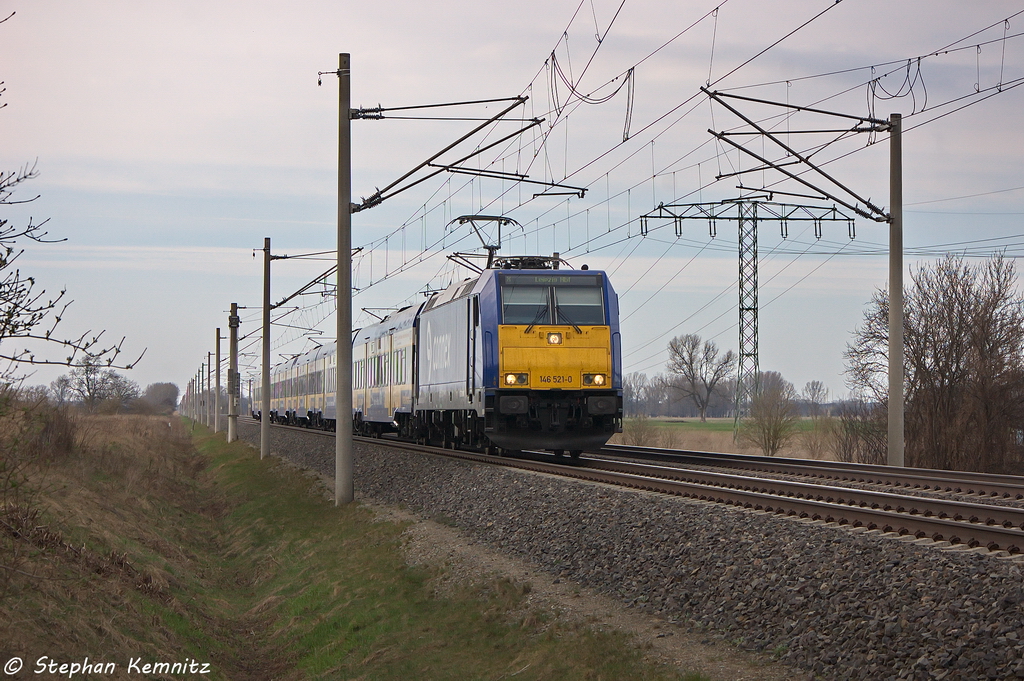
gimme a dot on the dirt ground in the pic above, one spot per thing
(465, 563)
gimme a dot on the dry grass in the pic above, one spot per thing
(716, 436)
(651, 432)
(139, 541)
(97, 542)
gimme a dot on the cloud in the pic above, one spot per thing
(182, 259)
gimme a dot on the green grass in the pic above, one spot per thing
(153, 543)
(352, 608)
(349, 607)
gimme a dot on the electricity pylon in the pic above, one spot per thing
(746, 212)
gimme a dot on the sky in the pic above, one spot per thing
(171, 138)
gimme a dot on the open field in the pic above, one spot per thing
(141, 545)
(714, 435)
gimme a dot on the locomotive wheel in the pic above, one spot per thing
(559, 452)
(574, 454)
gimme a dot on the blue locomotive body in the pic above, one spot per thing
(508, 360)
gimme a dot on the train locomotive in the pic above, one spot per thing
(522, 356)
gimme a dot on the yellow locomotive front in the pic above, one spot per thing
(555, 357)
(558, 361)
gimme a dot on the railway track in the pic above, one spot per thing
(956, 521)
(958, 482)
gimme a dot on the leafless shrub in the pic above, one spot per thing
(773, 416)
(670, 438)
(818, 440)
(33, 434)
(640, 431)
(860, 434)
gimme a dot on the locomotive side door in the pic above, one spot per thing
(473, 324)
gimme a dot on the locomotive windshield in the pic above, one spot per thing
(552, 299)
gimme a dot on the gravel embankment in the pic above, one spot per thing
(840, 604)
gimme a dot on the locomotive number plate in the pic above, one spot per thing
(556, 379)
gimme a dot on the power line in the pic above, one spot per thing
(965, 196)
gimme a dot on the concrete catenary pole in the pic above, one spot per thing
(216, 389)
(209, 389)
(343, 485)
(265, 392)
(202, 393)
(895, 457)
(234, 387)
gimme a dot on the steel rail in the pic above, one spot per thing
(960, 482)
(903, 514)
(987, 514)
(993, 537)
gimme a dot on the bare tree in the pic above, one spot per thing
(816, 440)
(164, 396)
(773, 416)
(29, 317)
(60, 389)
(94, 384)
(123, 390)
(816, 395)
(634, 393)
(90, 383)
(698, 368)
(964, 366)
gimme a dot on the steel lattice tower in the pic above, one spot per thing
(749, 369)
(745, 212)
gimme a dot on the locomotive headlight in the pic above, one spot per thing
(594, 379)
(555, 338)
(517, 379)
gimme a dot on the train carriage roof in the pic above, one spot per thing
(396, 321)
(313, 355)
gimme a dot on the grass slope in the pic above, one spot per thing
(147, 540)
